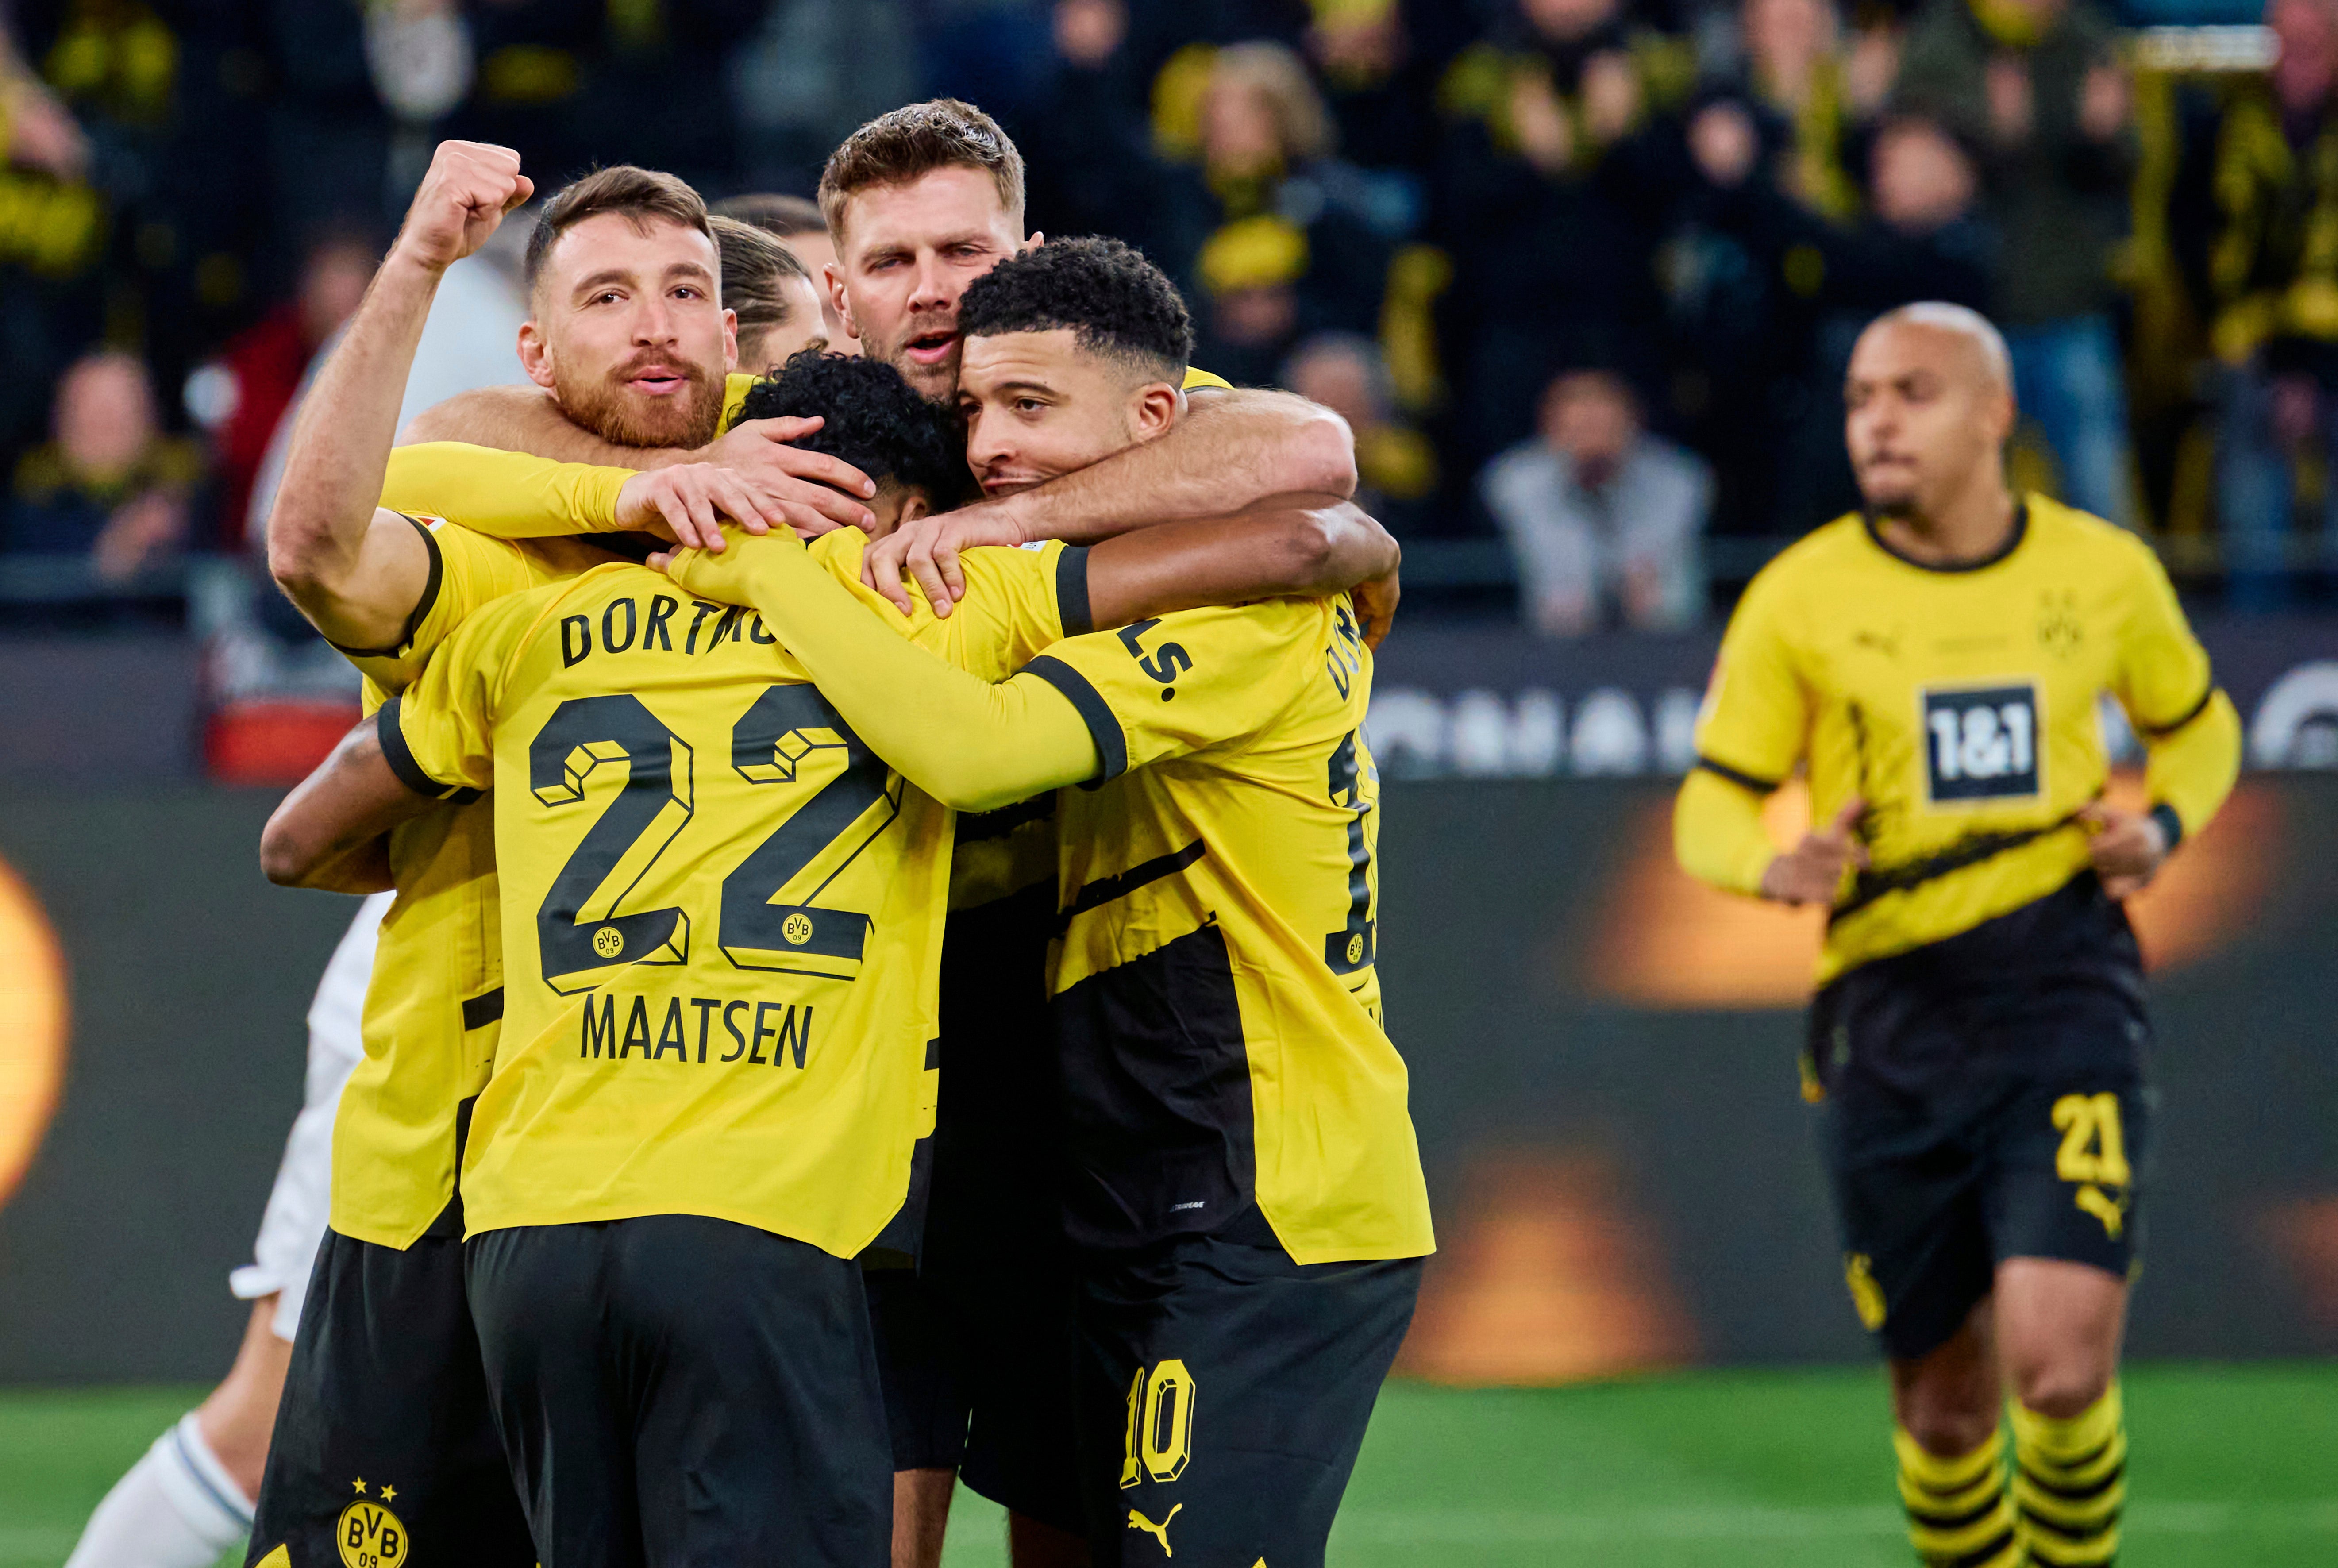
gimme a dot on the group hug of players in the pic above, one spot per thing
(831, 1035)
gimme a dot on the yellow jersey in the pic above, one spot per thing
(435, 994)
(435, 1000)
(1961, 706)
(1215, 985)
(722, 915)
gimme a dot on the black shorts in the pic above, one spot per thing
(384, 1443)
(1225, 1390)
(978, 1349)
(680, 1389)
(920, 1365)
(1986, 1099)
(978, 1370)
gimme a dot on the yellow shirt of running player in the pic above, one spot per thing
(1961, 707)
(1216, 988)
(435, 993)
(723, 914)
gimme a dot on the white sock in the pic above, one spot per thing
(177, 1507)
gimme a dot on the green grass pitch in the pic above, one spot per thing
(2233, 1467)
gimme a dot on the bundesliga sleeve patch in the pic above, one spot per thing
(1981, 743)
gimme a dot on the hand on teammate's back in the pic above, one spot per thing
(927, 550)
(469, 187)
(2127, 848)
(1811, 871)
(810, 492)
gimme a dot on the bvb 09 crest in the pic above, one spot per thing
(370, 1536)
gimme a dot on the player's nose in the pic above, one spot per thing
(654, 322)
(931, 289)
(985, 450)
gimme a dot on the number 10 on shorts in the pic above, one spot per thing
(1160, 1424)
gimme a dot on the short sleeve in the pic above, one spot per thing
(2164, 681)
(1166, 688)
(438, 734)
(468, 570)
(1756, 712)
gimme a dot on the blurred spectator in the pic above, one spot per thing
(1272, 225)
(529, 90)
(51, 242)
(674, 54)
(768, 289)
(1547, 209)
(1602, 518)
(1815, 95)
(2038, 87)
(1086, 139)
(1804, 104)
(239, 395)
(1921, 240)
(110, 486)
(795, 222)
(809, 76)
(2272, 284)
(329, 132)
(1380, 61)
(1396, 467)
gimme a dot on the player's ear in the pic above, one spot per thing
(914, 505)
(2004, 413)
(832, 282)
(729, 340)
(536, 354)
(1152, 409)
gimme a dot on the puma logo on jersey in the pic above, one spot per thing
(1158, 1532)
(2092, 1199)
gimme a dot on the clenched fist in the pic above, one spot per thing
(469, 188)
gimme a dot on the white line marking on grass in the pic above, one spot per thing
(1499, 1527)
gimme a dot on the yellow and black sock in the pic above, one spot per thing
(1960, 1514)
(2072, 1481)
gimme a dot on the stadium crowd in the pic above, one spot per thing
(1584, 272)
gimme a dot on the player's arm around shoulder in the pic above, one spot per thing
(1230, 450)
(1309, 546)
(971, 743)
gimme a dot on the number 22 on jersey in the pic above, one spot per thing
(584, 925)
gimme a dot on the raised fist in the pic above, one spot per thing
(469, 188)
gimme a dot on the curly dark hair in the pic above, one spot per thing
(1116, 301)
(874, 420)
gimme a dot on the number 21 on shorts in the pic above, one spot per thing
(1160, 1424)
(2093, 1154)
